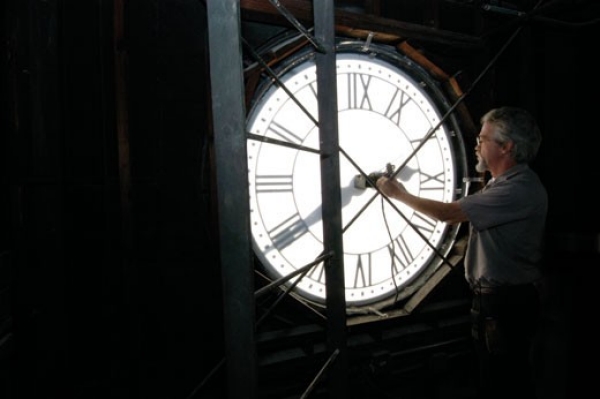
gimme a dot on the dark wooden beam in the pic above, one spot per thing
(263, 11)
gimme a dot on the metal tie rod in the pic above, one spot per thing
(290, 17)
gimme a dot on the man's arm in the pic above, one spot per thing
(446, 212)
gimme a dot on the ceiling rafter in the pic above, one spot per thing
(263, 11)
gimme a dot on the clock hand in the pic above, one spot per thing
(346, 192)
(403, 174)
(360, 181)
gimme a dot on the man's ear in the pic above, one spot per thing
(507, 146)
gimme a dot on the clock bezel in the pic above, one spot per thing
(439, 99)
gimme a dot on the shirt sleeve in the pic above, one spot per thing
(497, 205)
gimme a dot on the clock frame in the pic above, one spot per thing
(388, 108)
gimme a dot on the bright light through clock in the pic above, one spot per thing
(384, 117)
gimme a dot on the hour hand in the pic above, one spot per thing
(362, 181)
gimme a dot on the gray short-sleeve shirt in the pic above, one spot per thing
(507, 221)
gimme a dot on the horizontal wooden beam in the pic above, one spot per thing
(263, 11)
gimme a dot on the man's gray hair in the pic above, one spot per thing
(516, 125)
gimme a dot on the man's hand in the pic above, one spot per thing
(450, 212)
(391, 187)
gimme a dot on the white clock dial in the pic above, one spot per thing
(385, 117)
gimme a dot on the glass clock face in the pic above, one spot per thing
(385, 117)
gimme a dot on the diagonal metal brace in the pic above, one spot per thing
(273, 75)
(290, 17)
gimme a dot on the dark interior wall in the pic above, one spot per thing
(97, 313)
(178, 278)
(553, 55)
(568, 165)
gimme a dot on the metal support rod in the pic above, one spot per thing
(283, 295)
(229, 126)
(319, 375)
(331, 196)
(303, 270)
(276, 79)
(282, 143)
(290, 17)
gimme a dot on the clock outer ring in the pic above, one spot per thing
(435, 93)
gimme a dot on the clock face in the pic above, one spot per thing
(386, 112)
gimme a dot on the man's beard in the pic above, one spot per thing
(481, 166)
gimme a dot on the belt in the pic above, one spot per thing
(503, 289)
(485, 290)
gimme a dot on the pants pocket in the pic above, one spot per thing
(494, 338)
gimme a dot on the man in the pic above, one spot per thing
(502, 260)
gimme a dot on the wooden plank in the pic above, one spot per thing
(263, 11)
(438, 276)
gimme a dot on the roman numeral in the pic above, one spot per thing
(273, 183)
(432, 182)
(425, 224)
(394, 109)
(358, 91)
(288, 231)
(317, 273)
(362, 275)
(417, 142)
(313, 89)
(400, 253)
(284, 133)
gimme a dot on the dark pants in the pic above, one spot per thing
(504, 326)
